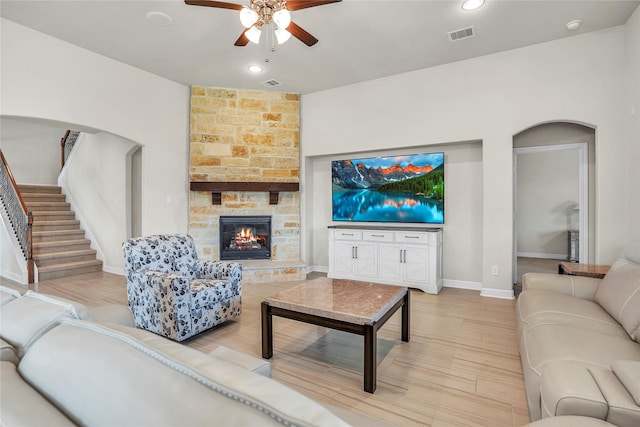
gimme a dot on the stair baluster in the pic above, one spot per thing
(20, 217)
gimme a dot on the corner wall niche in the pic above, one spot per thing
(244, 161)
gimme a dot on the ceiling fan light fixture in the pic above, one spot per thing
(248, 17)
(253, 34)
(472, 4)
(282, 35)
(282, 18)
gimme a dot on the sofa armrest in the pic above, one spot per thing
(221, 270)
(577, 286)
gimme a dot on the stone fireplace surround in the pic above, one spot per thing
(245, 137)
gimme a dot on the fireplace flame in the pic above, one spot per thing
(245, 236)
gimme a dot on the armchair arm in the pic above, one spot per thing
(221, 270)
(577, 286)
(160, 302)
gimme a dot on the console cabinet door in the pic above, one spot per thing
(343, 256)
(416, 264)
(390, 261)
(366, 259)
(407, 263)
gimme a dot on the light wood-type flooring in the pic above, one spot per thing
(460, 368)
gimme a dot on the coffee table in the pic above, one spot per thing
(346, 305)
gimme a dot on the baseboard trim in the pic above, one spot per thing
(317, 268)
(114, 270)
(462, 284)
(563, 257)
(497, 293)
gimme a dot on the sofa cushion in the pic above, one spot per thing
(568, 389)
(254, 364)
(25, 319)
(628, 372)
(162, 382)
(8, 353)
(8, 294)
(619, 294)
(623, 411)
(548, 307)
(545, 343)
(24, 406)
(570, 421)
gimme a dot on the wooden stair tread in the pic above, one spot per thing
(58, 232)
(56, 243)
(69, 265)
(57, 222)
(63, 254)
(33, 188)
(62, 212)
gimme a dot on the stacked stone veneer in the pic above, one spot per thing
(247, 136)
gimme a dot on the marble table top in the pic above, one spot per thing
(346, 300)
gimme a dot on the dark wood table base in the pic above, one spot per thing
(369, 331)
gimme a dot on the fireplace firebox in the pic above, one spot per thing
(245, 237)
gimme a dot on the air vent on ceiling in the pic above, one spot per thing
(463, 33)
(271, 83)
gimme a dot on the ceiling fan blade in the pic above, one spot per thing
(242, 40)
(211, 3)
(303, 4)
(302, 35)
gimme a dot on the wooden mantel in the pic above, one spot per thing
(216, 188)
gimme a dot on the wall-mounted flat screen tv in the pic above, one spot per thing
(407, 188)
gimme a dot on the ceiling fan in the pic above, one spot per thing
(265, 12)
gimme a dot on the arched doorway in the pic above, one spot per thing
(553, 196)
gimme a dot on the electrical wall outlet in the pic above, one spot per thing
(494, 270)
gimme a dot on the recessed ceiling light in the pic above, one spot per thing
(254, 68)
(472, 4)
(160, 19)
(574, 25)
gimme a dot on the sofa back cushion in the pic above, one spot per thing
(619, 295)
(106, 376)
(26, 319)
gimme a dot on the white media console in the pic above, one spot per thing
(402, 256)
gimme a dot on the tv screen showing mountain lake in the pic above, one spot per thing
(389, 189)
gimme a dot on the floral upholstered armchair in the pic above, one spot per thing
(173, 293)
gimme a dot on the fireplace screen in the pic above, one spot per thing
(245, 237)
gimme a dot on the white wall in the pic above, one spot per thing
(95, 181)
(490, 98)
(45, 78)
(631, 116)
(548, 191)
(32, 150)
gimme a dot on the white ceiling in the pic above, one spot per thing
(359, 39)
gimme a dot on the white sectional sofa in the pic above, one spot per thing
(63, 364)
(579, 341)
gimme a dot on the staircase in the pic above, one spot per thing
(59, 246)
